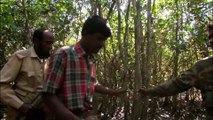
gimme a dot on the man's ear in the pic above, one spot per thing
(36, 42)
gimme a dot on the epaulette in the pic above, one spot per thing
(207, 57)
(22, 53)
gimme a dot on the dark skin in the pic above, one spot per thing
(91, 44)
(210, 37)
(42, 48)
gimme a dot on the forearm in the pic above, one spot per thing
(168, 88)
(9, 74)
(8, 96)
(158, 91)
(176, 85)
(104, 90)
(57, 107)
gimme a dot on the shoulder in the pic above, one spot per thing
(22, 53)
(65, 50)
(204, 63)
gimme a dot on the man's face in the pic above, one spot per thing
(46, 43)
(210, 37)
(95, 42)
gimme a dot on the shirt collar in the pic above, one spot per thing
(81, 53)
(33, 54)
(79, 50)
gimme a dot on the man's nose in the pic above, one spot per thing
(50, 46)
(211, 39)
(102, 44)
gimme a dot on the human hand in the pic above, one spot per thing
(73, 117)
(119, 91)
(25, 108)
(143, 92)
(91, 118)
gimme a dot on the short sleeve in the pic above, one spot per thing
(55, 74)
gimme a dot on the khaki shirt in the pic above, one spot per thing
(27, 71)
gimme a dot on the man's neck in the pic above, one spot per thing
(84, 47)
(39, 53)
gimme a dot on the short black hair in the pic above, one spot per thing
(96, 24)
(38, 34)
(209, 27)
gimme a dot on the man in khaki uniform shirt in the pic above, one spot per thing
(21, 78)
(200, 75)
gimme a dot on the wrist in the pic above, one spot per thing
(25, 108)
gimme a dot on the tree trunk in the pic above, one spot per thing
(148, 58)
(94, 8)
(125, 62)
(176, 56)
(111, 9)
(137, 102)
(119, 31)
(153, 105)
(26, 24)
(99, 8)
(148, 47)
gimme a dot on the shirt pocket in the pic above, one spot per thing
(34, 79)
(21, 94)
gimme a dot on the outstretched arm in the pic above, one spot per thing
(174, 86)
(104, 90)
